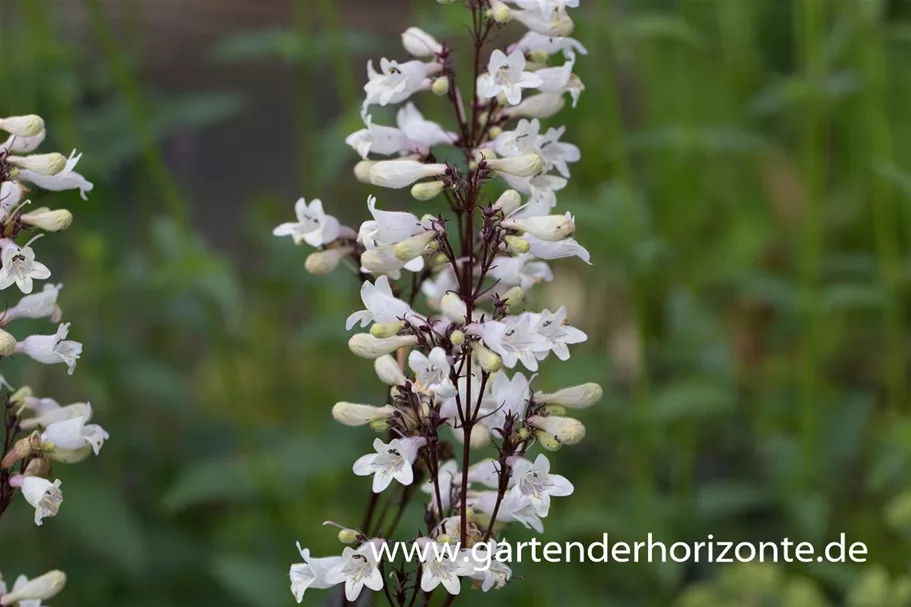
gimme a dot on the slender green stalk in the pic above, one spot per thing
(875, 96)
(808, 23)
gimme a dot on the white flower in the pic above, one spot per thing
(507, 396)
(390, 462)
(23, 145)
(57, 414)
(557, 154)
(45, 497)
(23, 126)
(381, 306)
(20, 267)
(441, 564)
(486, 472)
(10, 194)
(354, 414)
(381, 259)
(515, 339)
(506, 75)
(548, 227)
(424, 133)
(396, 82)
(514, 508)
(389, 371)
(454, 308)
(436, 287)
(419, 43)
(448, 477)
(313, 225)
(490, 571)
(543, 249)
(388, 227)
(38, 164)
(522, 271)
(522, 140)
(566, 430)
(51, 349)
(366, 345)
(574, 397)
(557, 25)
(73, 436)
(542, 105)
(432, 372)
(38, 305)
(553, 326)
(397, 174)
(535, 481)
(382, 140)
(548, 7)
(358, 568)
(311, 573)
(30, 593)
(66, 179)
(533, 42)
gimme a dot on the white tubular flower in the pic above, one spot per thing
(514, 508)
(567, 430)
(568, 247)
(553, 326)
(311, 573)
(486, 472)
(535, 481)
(7, 343)
(71, 440)
(23, 145)
(506, 75)
(20, 267)
(527, 165)
(549, 228)
(58, 414)
(396, 82)
(432, 372)
(10, 195)
(558, 25)
(533, 42)
(515, 339)
(417, 246)
(454, 308)
(44, 496)
(397, 174)
(574, 397)
(377, 139)
(491, 572)
(37, 305)
(558, 80)
(427, 190)
(23, 126)
(66, 179)
(362, 170)
(381, 306)
(424, 133)
(39, 164)
(323, 262)
(420, 44)
(39, 589)
(510, 396)
(500, 12)
(556, 153)
(388, 227)
(448, 476)
(521, 271)
(313, 225)
(48, 220)
(548, 7)
(389, 371)
(522, 140)
(441, 565)
(508, 202)
(542, 105)
(390, 462)
(366, 345)
(52, 349)
(353, 414)
(382, 260)
(358, 568)
(40, 406)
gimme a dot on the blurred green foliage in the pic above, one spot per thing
(744, 191)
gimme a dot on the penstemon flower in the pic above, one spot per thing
(36, 431)
(461, 420)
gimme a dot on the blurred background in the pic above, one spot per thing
(745, 191)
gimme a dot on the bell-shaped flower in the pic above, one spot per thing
(388, 227)
(557, 25)
(557, 154)
(533, 42)
(37, 305)
(448, 478)
(441, 564)
(11, 193)
(515, 339)
(381, 306)
(20, 267)
(552, 325)
(432, 372)
(381, 259)
(389, 371)
(548, 7)
(534, 480)
(390, 462)
(358, 568)
(519, 141)
(71, 438)
(44, 496)
(559, 80)
(521, 271)
(486, 472)
(66, 179)
(396, 82)
(354, 414)
(378, 139)
(311, 573)
(30, 593)
(506, 76)
(424, 133)
(542, 105)
(547, 227)
(487, 568)
(436, 287)
(509, 396)
(313, 225)
(569, 247)
(52, 349)
(398, 174)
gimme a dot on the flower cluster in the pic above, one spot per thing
(456, 368)
(36, 431)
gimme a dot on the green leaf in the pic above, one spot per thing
(723, 499)
(216, 480)
(690, 399)
(251, 581)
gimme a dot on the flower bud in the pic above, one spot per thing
(489, 361)
(389, 371)
(23, 448)
(567, 430)
(348, 536)
(559, 25)
(23, 126)
(416, 246)
(353, 414)
(7, 343)
(39, 589)
(516, 245)
(575, 397)
(514, 297)
(541, 57)
(48, 220)
(542, 105)
(427, 190)
(526, 165)
(555, 409)
(368, 346)
(494, 132)
(547, 441)
(419, 43)
(551, 228)
(499, 12)
(454, 308)
(18, 397)
(457, 338)
(43, 164)
(440, 86)
(323, 262)
(397, 174)
(509, 201)
(362, 170)
(380, 425)
(523, 433)
(387, 329)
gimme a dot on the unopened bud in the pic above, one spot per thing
(547, 441)
(419, 43)
(368, 346)
(23, 126)
(353, 414)
(380, 425)
(523, 433)
(440, 86)
(362, 170)
(457, 338)
(509, 201)
(489, 361)
(555, 409)
(397, 174)
(575, 397)
(526, 165)
(514, 297)
(516, 245)
(7, 343)
(323, 262)
(416, 246)
(539, 57)
(389, 371)
(387, 329)
(18, 397)
(454, 308)
(48, 220)
(499, 12)
(22, 449)
(427, 190)
(348, 536)
(542, 105)
(43, 164)
(39, 589)
(551, 228)
(567, 430)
